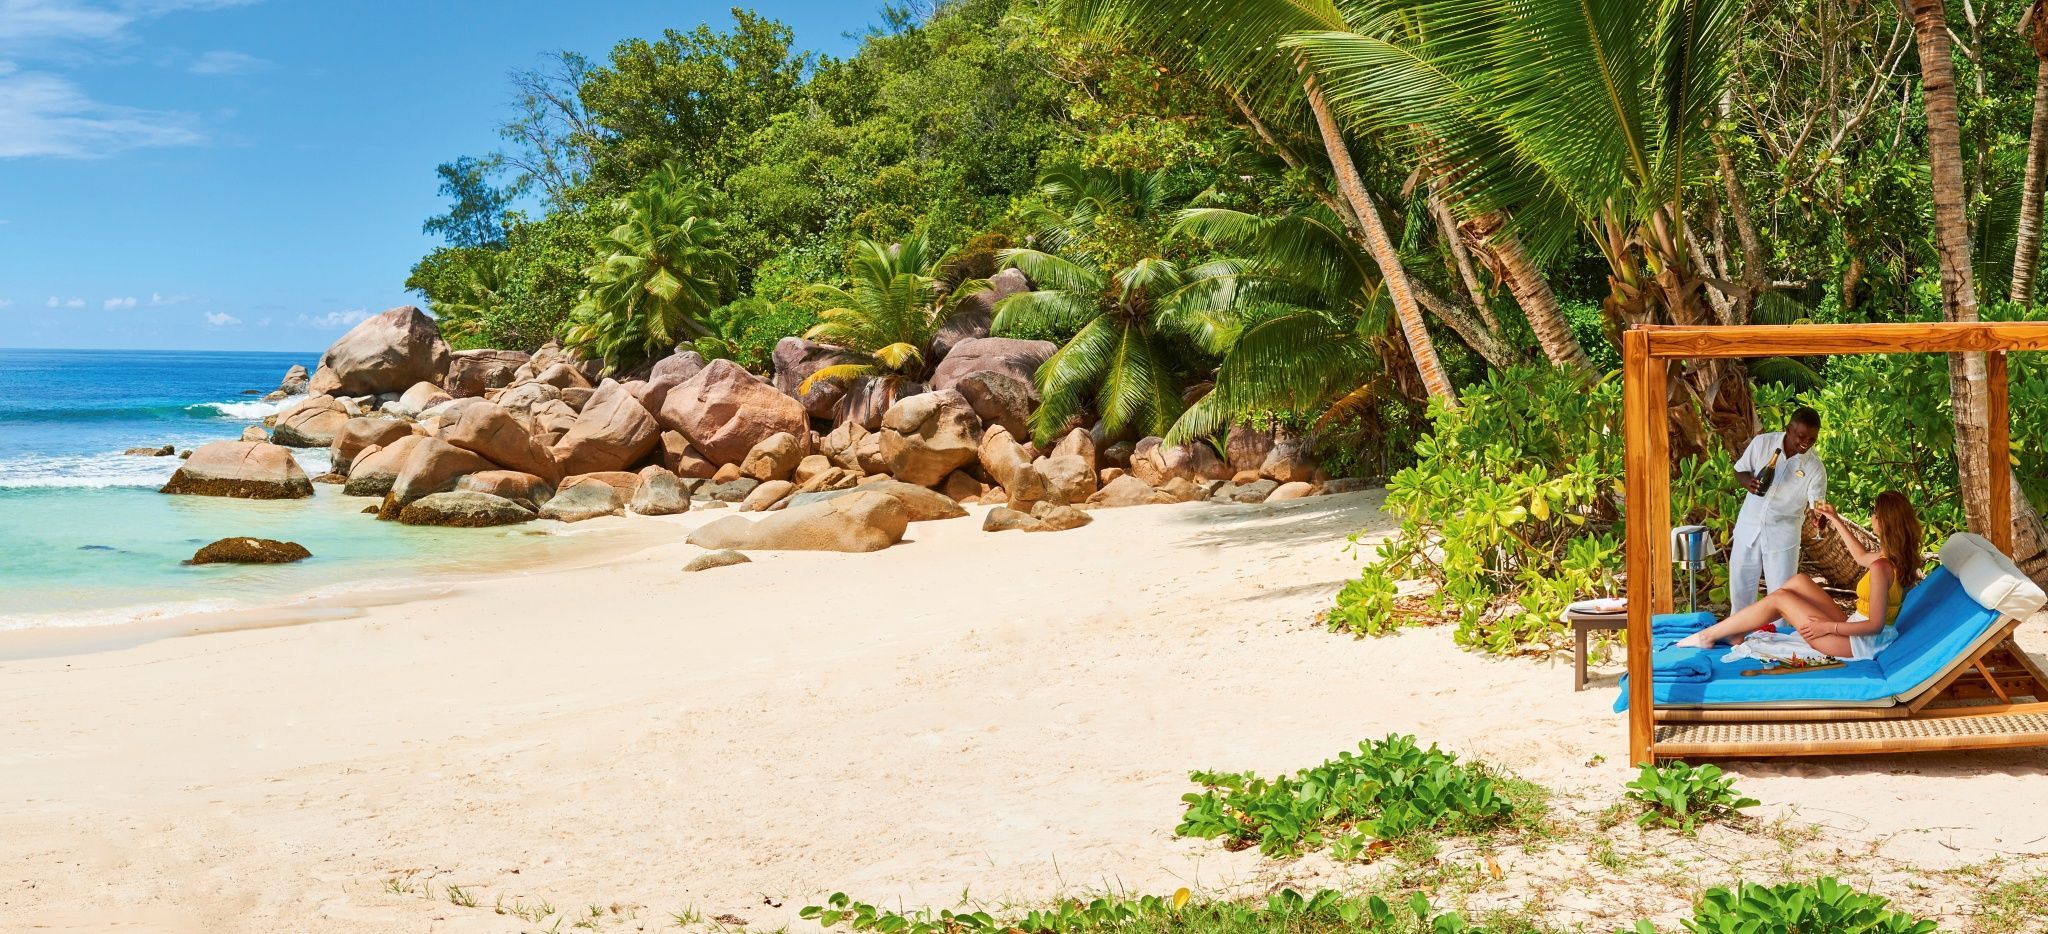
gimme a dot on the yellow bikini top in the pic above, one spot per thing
(1891, 606)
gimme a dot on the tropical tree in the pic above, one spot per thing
(885, 313)
(470, 296)
(1108, 215)
(1592, 110)
(1314, 333)
(2027, 250)
(658, 274)
(1132, 329)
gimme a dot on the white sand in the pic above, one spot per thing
(1011, 715)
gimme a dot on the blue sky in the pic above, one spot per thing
(252, 174)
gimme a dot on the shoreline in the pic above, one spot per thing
(967, 711)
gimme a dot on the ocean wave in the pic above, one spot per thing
(114, 469)
(252, 410)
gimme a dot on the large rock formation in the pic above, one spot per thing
(668, 373)
(928, 436)
(1000, 399)
(242, 469)
(924, 505)
(523, 488)
(474, 372)
(591, 495)
(312, 423)
(491, 432)
(796, 359)
(374, 470)
(387, 352)
(775, 458)
(431, 466)
(724, 411)
(868, 398)
(683, 459)
(660, 493)
(858, 522)
(463, 509)
(613, 432)
(360, 434)
(1009, 465)
(1018, 359)
(1127, 490)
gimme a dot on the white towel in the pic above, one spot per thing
(1775, 647)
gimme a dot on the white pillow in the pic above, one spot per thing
(1989, 577)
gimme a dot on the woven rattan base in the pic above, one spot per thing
(1852, 737)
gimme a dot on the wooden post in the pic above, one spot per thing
(1999, 438)
(1646, 465)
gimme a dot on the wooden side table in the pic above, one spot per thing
(1583, 624)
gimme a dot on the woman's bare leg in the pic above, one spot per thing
(1778, 604)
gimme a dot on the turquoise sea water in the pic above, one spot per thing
(85, 538)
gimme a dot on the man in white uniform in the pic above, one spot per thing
(1766, 540)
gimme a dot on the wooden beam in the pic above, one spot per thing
(1999, 415)
(1763, 340)
(1646, 470)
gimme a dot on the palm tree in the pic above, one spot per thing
(2027, 251)
(1101, 214)
(886, 313)
(659, 273)
(1233, 43)
(1320, 341)
(1595, 110)
(1129, 329)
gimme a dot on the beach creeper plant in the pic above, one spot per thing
(1822, 905)
(1389, 790)
(1683, 796)
(1285, 910)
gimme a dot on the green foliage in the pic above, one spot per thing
(475, 216)
(1133, 331)
(1286, 910)
(1682, 796)
(1389, 790)
(886, 313)
(1822, 905)
(747, 330)
(660, 274)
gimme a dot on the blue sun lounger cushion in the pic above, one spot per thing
(1940, 624)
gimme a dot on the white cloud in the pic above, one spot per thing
(221, 319)
(42, 114)
(228, 63)
(54, 26)
(159, 298)
(56, 302)
(4, 302)
(335, 320)
(118, 304)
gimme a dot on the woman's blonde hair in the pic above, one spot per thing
(1899, 535)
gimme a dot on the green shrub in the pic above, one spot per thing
(1824, 905)
(1389, 790)
(1286, 910)
(1679, 795)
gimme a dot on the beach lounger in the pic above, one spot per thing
(1954, 679)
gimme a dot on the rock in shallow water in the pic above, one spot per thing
(250, 551)
(724, 557)
(463, 509)
(243, 469)
(165, 451)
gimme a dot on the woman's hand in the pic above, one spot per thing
(1809, 629)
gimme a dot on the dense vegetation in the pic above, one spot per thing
(1380, 219)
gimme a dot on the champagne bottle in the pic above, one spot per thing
(1766, 475)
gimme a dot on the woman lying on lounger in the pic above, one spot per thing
(1893, 570)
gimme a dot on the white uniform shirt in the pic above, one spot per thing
(1772, 521)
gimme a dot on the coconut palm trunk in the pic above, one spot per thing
(1966, 373)
(1421, 346)
(2028, 252)
(1539, 303)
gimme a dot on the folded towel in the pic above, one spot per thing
(1775, 646)
(1681, 666)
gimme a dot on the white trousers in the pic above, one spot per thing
(1749, 565)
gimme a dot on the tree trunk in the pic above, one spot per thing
(1532, 292)
(1461, 258)
(2029, 250)
(1745, 228)
(1421, 346)
(1484, 341)
(1952, 247)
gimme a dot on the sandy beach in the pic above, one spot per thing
(1006, 716)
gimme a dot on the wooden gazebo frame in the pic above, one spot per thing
(1646, 352)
